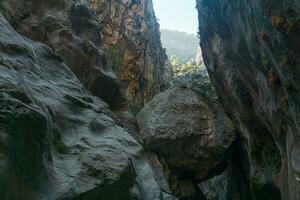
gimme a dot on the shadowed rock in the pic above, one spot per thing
(56, 141)
(73, 31)
(251, 51)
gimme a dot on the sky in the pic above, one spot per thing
(180, 15)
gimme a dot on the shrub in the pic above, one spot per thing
(58, 143)
(114, 58)
(135, 109)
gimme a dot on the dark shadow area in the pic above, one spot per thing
(268, 192)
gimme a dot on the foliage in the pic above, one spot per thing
(58, 143)
(193, 74)
(114, 58)
(180, 69)
(181, 44)
(135, 108)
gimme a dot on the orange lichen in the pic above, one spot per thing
(277, 21)
(94, 4)
(288, 59)
(272, 77)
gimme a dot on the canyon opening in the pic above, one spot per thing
(149, 100)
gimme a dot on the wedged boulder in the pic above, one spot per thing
(190, 131)
(56, 141)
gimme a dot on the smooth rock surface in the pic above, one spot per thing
(70, 28)
(58, 142)
(251, 50)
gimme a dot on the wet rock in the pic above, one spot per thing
(191, 132)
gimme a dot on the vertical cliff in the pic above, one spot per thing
(59, 142)
(113, 47)
(251, 50)
(131, 38)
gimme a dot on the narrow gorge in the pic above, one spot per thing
(92, 107)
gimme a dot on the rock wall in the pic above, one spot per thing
(72, 30)
(113, 47)
(59, 142)
(251, 50)
(131, 38)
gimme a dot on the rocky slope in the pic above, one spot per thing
(251, 50)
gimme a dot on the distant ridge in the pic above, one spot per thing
(181, 44)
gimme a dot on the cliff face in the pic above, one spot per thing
(251, 50)
(59, 142)
(112, 52)
(72, 30)
(131, 38)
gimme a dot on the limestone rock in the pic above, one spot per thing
(73, 31)
(131, 37)
(251, 51)
(120, 41)
(58, 142)
(190, 131)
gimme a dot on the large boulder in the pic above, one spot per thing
(189, 130)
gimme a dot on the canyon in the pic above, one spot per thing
(90, 109)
